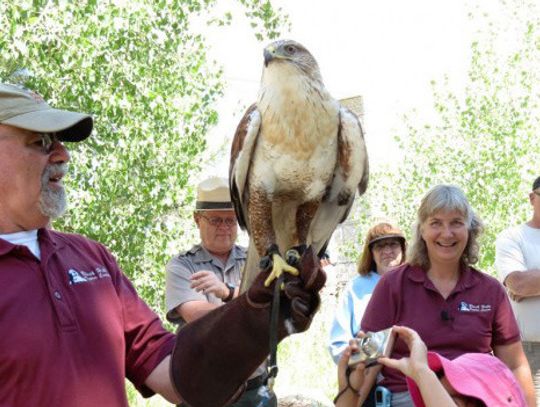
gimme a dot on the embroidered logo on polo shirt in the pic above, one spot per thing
(81, 276)
(75, 277)
(466, 307)
(102, 272)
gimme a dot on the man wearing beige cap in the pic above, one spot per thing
(73, 327)
(208, 275)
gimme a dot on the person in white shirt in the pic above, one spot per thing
(517, 261)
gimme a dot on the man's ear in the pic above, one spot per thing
(196, 218)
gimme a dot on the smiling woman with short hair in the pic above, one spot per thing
(455, 308)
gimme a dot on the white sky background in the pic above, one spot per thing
(387, 51)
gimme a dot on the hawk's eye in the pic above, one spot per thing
(291, 49)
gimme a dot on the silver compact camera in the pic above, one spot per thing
(373, 346)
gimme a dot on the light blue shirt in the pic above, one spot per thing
(351, 308)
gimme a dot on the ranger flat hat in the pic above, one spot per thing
(22, 108)
(213, 195)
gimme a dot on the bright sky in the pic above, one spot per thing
(387, 51)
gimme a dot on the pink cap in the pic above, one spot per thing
(477, 375)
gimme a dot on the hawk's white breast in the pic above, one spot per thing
(297, 148)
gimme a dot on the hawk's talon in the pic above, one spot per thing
(278, 267)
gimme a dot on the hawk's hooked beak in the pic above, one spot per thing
(269, 54)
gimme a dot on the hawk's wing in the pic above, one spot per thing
(351, 174)
(244, 142)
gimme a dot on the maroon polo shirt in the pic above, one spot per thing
(72, 326)
(475, 317)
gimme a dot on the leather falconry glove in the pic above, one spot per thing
(215, 354)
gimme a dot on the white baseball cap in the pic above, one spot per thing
(22, 108)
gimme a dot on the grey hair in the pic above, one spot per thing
(448, 198)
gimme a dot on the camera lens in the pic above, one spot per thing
(369, 346)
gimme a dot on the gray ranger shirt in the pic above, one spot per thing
(181, 267)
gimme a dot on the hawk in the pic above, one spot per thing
(297, 159)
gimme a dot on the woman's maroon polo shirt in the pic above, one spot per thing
(475, 317)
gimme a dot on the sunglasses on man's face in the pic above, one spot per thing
(46, 142)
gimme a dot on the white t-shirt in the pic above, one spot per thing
(518, 249)
(25, 238)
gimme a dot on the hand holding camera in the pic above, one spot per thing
(361, 353)
(350, 379)
(372, 346)
(417, 361)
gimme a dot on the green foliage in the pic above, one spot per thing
(484, 140)
(144, 75)
(263, 13)
(265, 20)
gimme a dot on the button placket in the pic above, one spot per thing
(58, 299)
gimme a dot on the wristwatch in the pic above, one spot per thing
(231, 288)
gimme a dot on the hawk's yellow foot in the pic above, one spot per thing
(278, 267)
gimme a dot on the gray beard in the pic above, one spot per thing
(52, 203)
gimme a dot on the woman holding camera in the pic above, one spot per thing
(473, 379)
(384, 249)
(455, 308)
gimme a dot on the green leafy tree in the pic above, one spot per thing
(484, 140)
(138, 67)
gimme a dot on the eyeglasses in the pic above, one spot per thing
(46, 142)
(216, 221)
(380, 246)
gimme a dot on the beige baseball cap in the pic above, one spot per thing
(213, 195)
(22, 108)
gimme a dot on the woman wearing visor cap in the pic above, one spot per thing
(383, 250)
